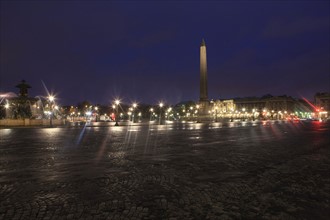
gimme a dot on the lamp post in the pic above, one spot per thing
(190, 113)
(197, 115)
(51, 100)
(96, 113)
(130, 114)
(151, 114)
(243, 114)
(134, 107)
(168, 113)
(117, 102)
(160, 112)
(216, 113)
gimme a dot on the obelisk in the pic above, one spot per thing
(203, 98)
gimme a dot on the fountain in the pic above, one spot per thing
(21, 110)
(39, 111)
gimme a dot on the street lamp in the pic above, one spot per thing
(168, 112)
(133, 115)
(51, 99)
(160, 112)
(117, 102)
(96, 112)
(197, 107)
(151, 114)
(243, 114)
(216, 113)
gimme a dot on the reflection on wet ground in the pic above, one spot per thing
(248, 170)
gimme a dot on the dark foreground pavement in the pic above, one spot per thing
(272, 170)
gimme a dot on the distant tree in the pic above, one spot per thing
(83, 105)
(267, 96)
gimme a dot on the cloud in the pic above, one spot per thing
(282, 27)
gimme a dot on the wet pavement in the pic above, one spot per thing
(237, 170)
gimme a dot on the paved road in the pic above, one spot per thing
(270, 170)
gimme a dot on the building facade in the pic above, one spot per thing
(322, 101)
(266, 107)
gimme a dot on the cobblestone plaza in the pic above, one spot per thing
(236, 170)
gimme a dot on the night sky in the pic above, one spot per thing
(149, 51)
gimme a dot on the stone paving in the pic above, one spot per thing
(241, 170)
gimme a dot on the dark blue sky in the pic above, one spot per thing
(149, 51)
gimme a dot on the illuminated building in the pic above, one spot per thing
(322, 104)
(322, 101)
